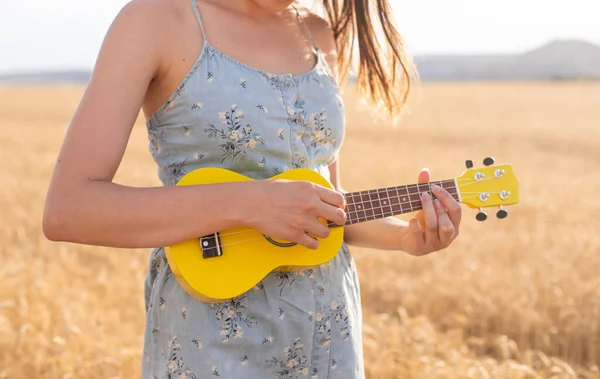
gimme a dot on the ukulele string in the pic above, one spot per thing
(408, 203)
(253, 239)
(402, 204)
(236, 243)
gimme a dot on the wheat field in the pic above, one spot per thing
(512, 298)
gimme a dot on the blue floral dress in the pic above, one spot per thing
(290, 325)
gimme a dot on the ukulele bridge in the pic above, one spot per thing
(211, 246)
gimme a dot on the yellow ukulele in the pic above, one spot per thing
(226, 264)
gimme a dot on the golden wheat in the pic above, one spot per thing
(513, 298)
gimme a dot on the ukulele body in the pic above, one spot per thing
(245, 256)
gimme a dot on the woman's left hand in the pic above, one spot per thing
(436, 225)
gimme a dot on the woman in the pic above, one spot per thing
(246, 85)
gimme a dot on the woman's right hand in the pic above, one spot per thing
(288, 210)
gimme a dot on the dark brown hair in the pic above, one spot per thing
(384, 75)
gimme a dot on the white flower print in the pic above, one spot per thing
(244, 361)
(243, 83)
(176, 368)
(262, 162)
(280, 133)
(322, 137)
(231, 314)
(210, 77)
(268, 340)
(263, 108)
(293, 364)
(234, 135)
(340, 316)
(237, 138)
(198, 105)
(157, 138)
(197, 343)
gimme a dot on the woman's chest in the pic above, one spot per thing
(235, 117)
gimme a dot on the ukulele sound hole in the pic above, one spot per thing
(280, 244)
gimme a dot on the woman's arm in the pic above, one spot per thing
(83, 205)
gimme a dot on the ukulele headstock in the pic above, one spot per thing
(489, 186)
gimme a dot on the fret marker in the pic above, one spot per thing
(359, 206)
(205, 243)
(385, 202)
(403, 199)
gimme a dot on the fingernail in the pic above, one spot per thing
(424, 195)
(437, 203)
(436, 188)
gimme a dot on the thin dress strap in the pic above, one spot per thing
(197, 13)
(306, 29)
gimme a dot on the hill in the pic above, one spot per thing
(48, 77)
(556, 60)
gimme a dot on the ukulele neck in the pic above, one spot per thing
(392, 201)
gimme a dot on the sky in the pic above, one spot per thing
(66, 34)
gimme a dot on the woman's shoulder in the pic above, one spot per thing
(318, 25)
(152, 17)
(322, 33)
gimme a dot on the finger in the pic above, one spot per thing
(307, 241)
(424, 176)
(331, 213)
(431, 222)
(453, 207)
(317, 229)
(445, 226)
(415, 229)
(331, 197)
(420, 216)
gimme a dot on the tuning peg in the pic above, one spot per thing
(488, 161)
(469, 163)
(502, 213)
(481, 215)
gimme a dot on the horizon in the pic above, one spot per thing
(30, 29)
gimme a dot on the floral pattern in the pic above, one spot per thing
(176, 368)
(157, 138)
(322, 136)
(293, 364)
(237, 137)
(290, 325)
(232, 314)
(286, 279)
(176, 171)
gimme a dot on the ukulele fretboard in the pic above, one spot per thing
(384, 202)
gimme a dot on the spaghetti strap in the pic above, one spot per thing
(306, 29)
(197, 13)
